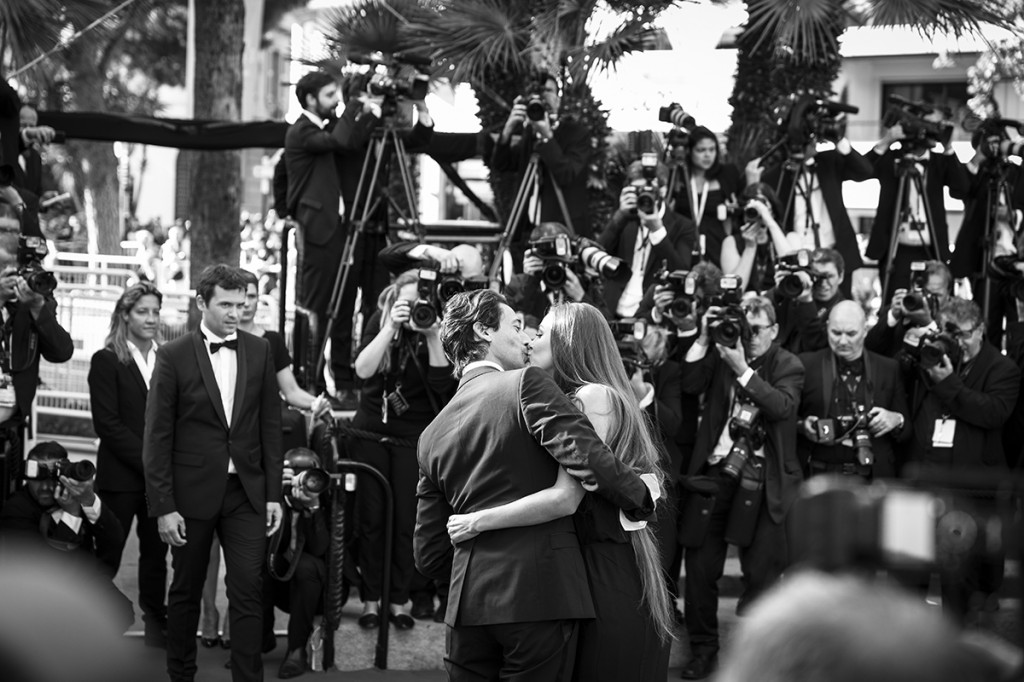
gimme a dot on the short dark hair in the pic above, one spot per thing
(311, 84)
(764, 191)
(222, 275)
(832, 256)
(462, 311)
(48, 449)
(250, 278)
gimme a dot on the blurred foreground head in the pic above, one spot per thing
(817, 626)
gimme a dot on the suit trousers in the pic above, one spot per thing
(152, 553)
(302, 598)
(400, 468)
(762, 563)
(512, 652)
(242, 533)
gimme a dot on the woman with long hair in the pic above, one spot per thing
(709, 197)
(119, 376)
(753, 254)
(406, 381)
(630, 638)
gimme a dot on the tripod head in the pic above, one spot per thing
(907, 164)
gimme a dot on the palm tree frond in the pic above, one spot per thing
(940, 16)
(630, 37)
(33, 28)
(804, 28)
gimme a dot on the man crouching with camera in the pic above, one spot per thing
(854, 406)
(744, 472)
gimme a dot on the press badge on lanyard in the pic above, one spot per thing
(945, 430)
(7, 398)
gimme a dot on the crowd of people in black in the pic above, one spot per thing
(639, 398)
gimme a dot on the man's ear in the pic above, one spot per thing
(200, 303)
(482, 333)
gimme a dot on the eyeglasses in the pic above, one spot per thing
(756, 329)
(962, 333)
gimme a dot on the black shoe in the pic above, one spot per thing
(209, 642)
(156, 636)
(442, 608)
(225, 643)
(369, 621)
(402, 621)
(293, 665)
(699, 667)
(422, 607)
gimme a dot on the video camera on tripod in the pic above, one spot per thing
(918, 131)
(561, 251)
(994, 139)
(811, 119)
(394, 77)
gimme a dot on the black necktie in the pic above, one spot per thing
(231, 344)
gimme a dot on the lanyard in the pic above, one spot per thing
(699, 204)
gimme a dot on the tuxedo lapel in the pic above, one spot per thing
(206, 370)
(240, 358)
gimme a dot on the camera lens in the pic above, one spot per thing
(680, 307)
(725, 332)
(913, 302)
(313, 481)
(645, 202)
(750, 213)
(423, 314)
(554, 275)
(81, 470)
(790, 286)
(448, 287)
(535, 109)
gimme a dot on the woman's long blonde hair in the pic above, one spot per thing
(583, 351)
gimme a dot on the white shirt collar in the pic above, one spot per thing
(211, 337)
(477, 364)
(152, 348)
(320, 123)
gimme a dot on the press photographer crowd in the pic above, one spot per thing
(572, 424)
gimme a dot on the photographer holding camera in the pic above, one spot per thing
(406, 381)
(807, 286)
(853, 407)
(961, 404)
(59, 511)
(562, 145)
(744, 459)
(911, 309)
(645, 233)
(298, 556)
(30, 331)
(752, 254)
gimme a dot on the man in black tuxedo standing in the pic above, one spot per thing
(516, 594)
(212, 461)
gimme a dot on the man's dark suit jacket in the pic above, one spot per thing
(776, 390)
(941, 171)
(187, 440)
(832, 169)
(313, 184)
(981, 403)
(970, 240)
(118, 396)
(564, 160)
(619, 239)
(501, 438)
(30, 340)
(885, 387)
(667, 413)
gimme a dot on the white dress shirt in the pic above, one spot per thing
(146, 362)
(225, 371)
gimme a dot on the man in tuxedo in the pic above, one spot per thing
(647, 235)
(212, 460)
(516, 593)
(844, 380)
(314, 199)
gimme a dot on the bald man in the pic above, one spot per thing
(853, 409)
(462, 259)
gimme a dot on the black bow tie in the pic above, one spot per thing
(231, 345)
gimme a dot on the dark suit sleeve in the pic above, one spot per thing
(668, 401)
(108, 538)
(567, 435)
(316, 528)
(270, 425)
(158, 439)
(431, 547)
(855, 166)
(612, 233)
(396, 257)
(882, 338)
(956, 178)
(986, 409)
(812, 328)
(779, 399)
(280, 188)
(313, 140)
(353, 128)
(671, 252)
(54, 341)
(900, 404)
(506, 155)
(419, 137)
(565, 156)
(697, 376)
(121, 441)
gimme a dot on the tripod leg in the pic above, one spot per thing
(518, 206)
(936, 253)
(405, 175)
(894, 234)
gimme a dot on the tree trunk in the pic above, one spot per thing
(215, 202)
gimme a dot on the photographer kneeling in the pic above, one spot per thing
(744, 458)
(854, 406)
(59, 515)
(299, 556)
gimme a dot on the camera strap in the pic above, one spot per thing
(292, 555)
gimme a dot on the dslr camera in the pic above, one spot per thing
(629, 334)
(308, 473)
(562, 251)
(648, 195)
(748, 435)
(917, 296)
(1005, 268)
(919, 131)
(729, 325)
(674, 114)
(31, 251)
(683, 285)
(926, 350)
(81, 470)
(810, 119)
(434, 289)
(791, 286)
(848, 429)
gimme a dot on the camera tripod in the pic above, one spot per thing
(997, 194)
(372, 193)
(795, 167)
(908, 173)
(530, 184)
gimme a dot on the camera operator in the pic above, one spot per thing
(745, 452)
(853, 407)
(752, 254)
(807, 286)
(646, 234)
(298, 556)
(58, 511)
(563, 147)
(937, 171)
(30, 331)
(528, 292)
(406, 381)
(29, 171)
(961, 404)
(930, 289)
